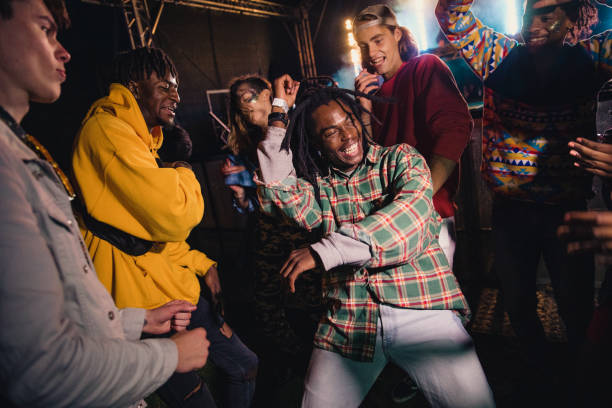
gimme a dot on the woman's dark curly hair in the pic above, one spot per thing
(583, 13)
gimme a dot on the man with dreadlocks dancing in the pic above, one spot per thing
(388, 288)
(538, 97)
(138, 212)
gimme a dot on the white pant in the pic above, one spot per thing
(448, 239)
(430, 345)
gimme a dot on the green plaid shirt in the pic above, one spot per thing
(387, 204)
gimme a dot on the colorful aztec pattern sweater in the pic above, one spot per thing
(528, 122)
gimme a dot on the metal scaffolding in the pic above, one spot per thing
(256, 8)
(141, 27)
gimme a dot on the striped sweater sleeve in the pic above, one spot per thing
(599, 48)
(481, 47)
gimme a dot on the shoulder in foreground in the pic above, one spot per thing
(99, 126)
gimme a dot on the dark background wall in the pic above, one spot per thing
(208, 48)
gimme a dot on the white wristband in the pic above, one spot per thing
(281, 103)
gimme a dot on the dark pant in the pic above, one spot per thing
(523, 232)
(236, 363)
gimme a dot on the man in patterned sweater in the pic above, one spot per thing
(388, 288)
(538, 96)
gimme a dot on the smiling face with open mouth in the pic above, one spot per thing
(158, 99)
(380, 50)
(338, 135)
(545, 23)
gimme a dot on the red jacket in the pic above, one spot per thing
(429, 114)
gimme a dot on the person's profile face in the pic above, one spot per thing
(379, 48)
(545, 24)
(338, 135)
(158, 99)
(31, 58)
(254, 106)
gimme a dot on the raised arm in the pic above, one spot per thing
(599, 48)
(279, 187)
(481, 47)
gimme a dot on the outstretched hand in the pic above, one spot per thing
(593, 157)
(174, 315)
(286, 88)
(299, 261)
(239, 193)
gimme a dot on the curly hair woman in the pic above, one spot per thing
(285, 321)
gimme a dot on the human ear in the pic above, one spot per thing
(134, 89)
(397, 34)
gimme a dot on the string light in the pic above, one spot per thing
(512, 23)
(354, 52)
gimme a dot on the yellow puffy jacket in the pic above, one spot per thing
(121, 185)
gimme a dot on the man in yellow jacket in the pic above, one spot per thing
(137, 213)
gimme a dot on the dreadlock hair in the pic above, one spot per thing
(57, 8)
(138, 65)
(244, 136)
(408, 46)
(584, 15)
(307, 161)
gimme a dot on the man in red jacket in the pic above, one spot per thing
(429, 112)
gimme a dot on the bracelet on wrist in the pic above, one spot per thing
(278, 117)
(281, 103)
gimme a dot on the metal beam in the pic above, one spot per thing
(248, 7)
(141, 30)
(259, 8)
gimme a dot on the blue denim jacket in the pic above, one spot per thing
(62, 340)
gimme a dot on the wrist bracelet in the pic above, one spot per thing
(281, 103)
(278, 117)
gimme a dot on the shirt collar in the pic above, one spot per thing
(372, 156)
(12, 123)
(373, 153)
